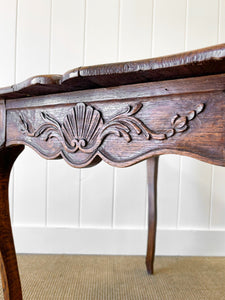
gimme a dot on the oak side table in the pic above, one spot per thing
(121, 113)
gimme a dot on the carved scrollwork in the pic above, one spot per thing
(84, 129)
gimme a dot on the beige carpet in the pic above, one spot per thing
(121, 278)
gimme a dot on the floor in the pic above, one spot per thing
(121, 277)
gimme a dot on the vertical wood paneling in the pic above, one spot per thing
(63, 190)
(195, 189)
(168, 37)
(29, 189)
(222, 21)
(218, 198)
(67, 41)
(168, 190)
(101, 40)
(96, 196)
(33, 28)
(32, 58)
(169, 27)
(101, 31)
(195, 193)
(67, 35)
(130, 197)
(135, 29)
(202, 23)
(217, 219)
(134, 43)
(7, 41)
(7, 59)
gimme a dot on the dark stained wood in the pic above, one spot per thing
(126, 126)
(201, 62)
(8, 263)
(165, 88)
(121, 113)
(152, 174)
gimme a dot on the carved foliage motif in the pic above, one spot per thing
(84, 129)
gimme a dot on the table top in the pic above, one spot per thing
(122, 113)
(206, 61)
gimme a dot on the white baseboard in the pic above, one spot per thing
(117, 241)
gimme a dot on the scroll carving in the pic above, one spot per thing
(84, 129)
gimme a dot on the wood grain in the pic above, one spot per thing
(205, 61)
(152, 174)
(8, 263)
(158, 106)
(189, 124)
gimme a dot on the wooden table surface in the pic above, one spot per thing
(121, 113)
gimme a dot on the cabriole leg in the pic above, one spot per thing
(8, 262)
(152, 172)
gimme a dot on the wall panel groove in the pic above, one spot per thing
(8, 22)
(63, 182)
(101, 46)
(32, 57)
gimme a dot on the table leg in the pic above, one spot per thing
(8, 262)
(152, 172)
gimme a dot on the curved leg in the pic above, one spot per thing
(152, 172)
(8, 263)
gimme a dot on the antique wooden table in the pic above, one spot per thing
(122, 113)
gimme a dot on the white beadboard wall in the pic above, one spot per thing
(103, 210)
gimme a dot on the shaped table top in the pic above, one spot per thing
(206, 61)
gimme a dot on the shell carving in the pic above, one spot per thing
(84, 129)
(81, 127)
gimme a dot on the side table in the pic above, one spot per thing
(121, 113)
